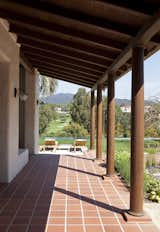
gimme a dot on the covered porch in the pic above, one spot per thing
(93, 44)
(66, 193)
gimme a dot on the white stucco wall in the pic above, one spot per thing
(9, 105)
(31, 112)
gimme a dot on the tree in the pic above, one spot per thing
(75, 130)
(80, 108)
(47, 86)
(46, 115)
(152, 119)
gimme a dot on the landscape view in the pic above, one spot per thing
(66, 117)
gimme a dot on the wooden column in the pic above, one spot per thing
(137, 132)
(99, 123)
(110, 126)
(92, 126)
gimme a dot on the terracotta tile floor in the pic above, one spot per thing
(78, 201)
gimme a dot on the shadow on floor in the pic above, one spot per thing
(94, 202)
(81, 171)
(25, 202)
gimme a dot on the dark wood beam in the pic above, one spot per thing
(140, 7)
(142, 38)
(41, 12)
(51, 62)
(53, 55)
(79, 57)
(23, 40)
(60, 71)
(64, 69)
(90, 48)
(62, 62)
(67, 79)
(71, 77)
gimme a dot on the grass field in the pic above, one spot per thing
(57, 126)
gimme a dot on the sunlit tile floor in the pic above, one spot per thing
(72, 198)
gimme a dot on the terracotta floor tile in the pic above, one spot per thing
(109, 220)
(149, 228)
(56, 220)
(21, 220)
(18, 228)
(112, 228)
(74, 221)
(55, 229)
(38, 220)
(37, 228)
(94, 228)
(92, 221)
(131, 228)
(73, 228)
(51, 197)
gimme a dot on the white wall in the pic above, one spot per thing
(9, 105)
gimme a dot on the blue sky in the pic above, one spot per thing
(123, 85)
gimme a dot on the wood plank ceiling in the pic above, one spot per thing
(77, 40)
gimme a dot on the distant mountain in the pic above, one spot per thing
(120, 101)
(65, 98)
(60, 98)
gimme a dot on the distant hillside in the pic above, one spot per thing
(65, 98)
(60, 98)
(120, 101)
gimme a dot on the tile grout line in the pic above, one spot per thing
(79, 192)
(107, 198)
(50, 208)
(99, 216)
(24, 197)
(125, 204)
(139, 227)
(27, 174)
(66, 205)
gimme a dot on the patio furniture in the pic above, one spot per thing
(50, 144)
(80, 145)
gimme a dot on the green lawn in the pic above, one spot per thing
(57, 126)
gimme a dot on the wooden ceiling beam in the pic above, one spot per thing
(64, 78)
(110, 56)
(63, 62)
(51, 62)
(105, 54)
(59, 57)
(67, 73)
(111, 45)
(139, 7)
(64, 68)
(87, 60)
(66, 16)
(142, 38)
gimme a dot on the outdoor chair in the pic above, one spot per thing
(80, 145)
(50, 144)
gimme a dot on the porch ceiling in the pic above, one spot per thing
(81, 40)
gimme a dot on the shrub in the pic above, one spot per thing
(75, 130)
(122, 164)
(152, 188)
